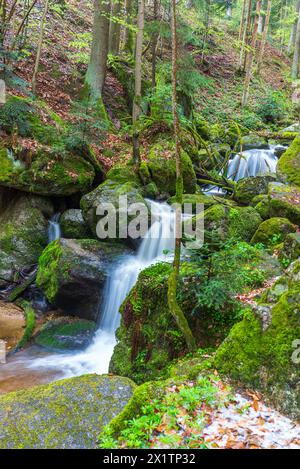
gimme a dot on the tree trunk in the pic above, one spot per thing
(95, 76)
(293, 31)
(154, 45)
(264, 37)
(39, 48)
(295, 64)
(136, 111)
(243, 57)
(129, 35)
(251, 55)
(114, 28)
(175, 309)
(242, 23)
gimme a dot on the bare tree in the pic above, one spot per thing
(115, 27)
(295, 64)
(294, 29)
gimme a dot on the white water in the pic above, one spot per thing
(54, 231)
(154, 247)
(249, 163)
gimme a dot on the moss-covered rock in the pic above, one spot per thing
(45, 173)
(62, 334)
(273, 231)
(72, 274)
(288, 168)
(23, 236)
(291, 247)
(248, 188)
(110, 192)
(223, 222)
(67, 414)
(250, 142)
(284, 201)
(162, 168)
(202, 199)
(73, 225)
(260, 351)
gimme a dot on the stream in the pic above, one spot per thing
(34, 365)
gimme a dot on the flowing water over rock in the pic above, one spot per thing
(54, 231)
(95, 359)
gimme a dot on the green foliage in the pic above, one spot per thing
(272, 108)
(220, 276)
(30, 324)
(157, 420)
(17, 116)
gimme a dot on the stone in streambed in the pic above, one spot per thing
(73, 225)
(72, 274)
(67, 414)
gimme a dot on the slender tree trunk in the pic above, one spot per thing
(129, 35)
(243, 55)
(136, 111)
(175, 309)
(114, 28)
(154, 45)
(251, 56)
(293, 30)
(95, 76)
(242, 23)
(264, 37)
(39, 48)
(295, 64)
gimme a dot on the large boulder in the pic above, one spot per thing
(73, 225)
(45, 172)
(248, 188)
(67, 414)
(162, 167)
(65, 333)
(284, 201)
(252, 142)
(223, 222)
(273, 231)
(72, 274)
(291, 247)
(260, 351)
(110, 192)
(288, 168)
(23, 236)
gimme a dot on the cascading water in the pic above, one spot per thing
(54, 231)
(95, 359)
(249, 163)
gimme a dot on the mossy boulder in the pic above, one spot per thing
(223, 222)
(110, 192)
(291, 247)
(284, 201)
(73, 225)
(72, 274)
(63, 334)
(202, 199)
(45, 172)
(273, 231)
(288, 168)
(260, 351)
(23, 236)
(162, 168)
(252, 142)
(247, 189)
(67, 414)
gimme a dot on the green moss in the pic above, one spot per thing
(30, 325)
(248, 188)
(288, 168)
(46, 276)
(283, 202)
(273, 231)
(291, 247)
(162, 167)
(66, 334)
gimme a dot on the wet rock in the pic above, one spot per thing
(72, 274)
(67, 414)
(73, 225)
(248, 188)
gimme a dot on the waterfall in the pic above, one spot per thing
(54, 231)
(248, 163)
(95, 359)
